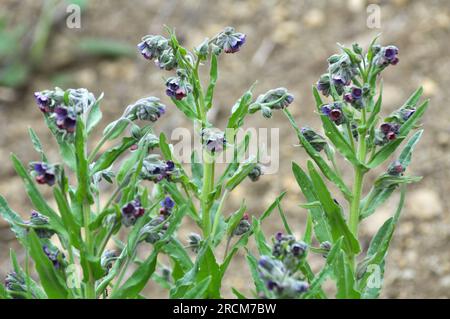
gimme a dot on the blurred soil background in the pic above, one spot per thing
(287, 45)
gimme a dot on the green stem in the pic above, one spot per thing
(208, 185)
(90, 285)
(219, 212)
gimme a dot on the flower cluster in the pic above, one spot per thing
(44, 173)
(385, 56)
(229, 41)
(61, 108)
(55, 256)
(40, 224)
(287, 249)
(156, 47)
(316, 140)
(243, 226)
(386, 133)
(155, 229)
(167, 206)
(275, 99)
(341, 71)
(279, 280)
(213, 140)
(396, 169)
(334, 112)
(177, 86)
(15, 285)
(131, 212)
(155, 170)
(354, 96)
(145, 109)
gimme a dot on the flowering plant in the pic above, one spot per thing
(70, 240)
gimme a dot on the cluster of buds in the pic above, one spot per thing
(341, 71)
(243, 226)
(157, 47)
(255, 173)
(213, 140)
(316, 140)
(194, 242)
(385, 56)
(396, 169)
(44, 173)
(334, 112)
(228, 40)
(145, 109)
(386, 133)
(279, 280)
(131, 212)
(287, 249)
(177, 86)
(275, 99)
(63, 107)
(40, 225)
(155, 229)
(107, 260)
(55, 256)
(15, 285)
(155, 170)
(354, 96)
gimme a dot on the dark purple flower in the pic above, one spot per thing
(356, 93)
(43, 102)
(396, 169)
(386, 128)
(166, 206)
(53, 256)
(131, 212)
(145, 50)
(45, 174)
(298, 249)
(234, 45)
(271, 285)
(279, 236)
(65, 120)
(335, 115)
(406, 113)
(301, 286)
(170, 165)
(326, 109)
(348, 97)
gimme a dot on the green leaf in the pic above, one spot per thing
(333, 211)
(238, 294)
(212, 82)
(209, 267)
(377, 251)
(94, 116)
(3, 293)
(240, 174)
(186, 108)
(345, 279)
(326, 270)
(324, 167)
(109, 157)
(13, 219)
(51, 281)
(261, 243)
(406, 154)
(137, 281)
(235, 218)
(238, 113)
(198, 290)
(165, 148)
(253, 264)
(376, 109)
(384, 153)
(321, 228)
(114, 129)
(67, 218)
(196, 169)
(37, 144)
(272, 206)
(412, 121)
(36, 198)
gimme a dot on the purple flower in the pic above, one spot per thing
(229, 40)
(43, 102)
(387, 55)
(65, 120)
(145, 50)
(396, 169)
(326, 109)
(176, 88)
(387, 132)
(166, 207)
(45, 174)
(335, 115)
(348, 97)
(131, 212)
(298, 249)
(356, 93)
(279, 236)
(52, 254)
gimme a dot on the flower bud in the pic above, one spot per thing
(66, 119)
(202, 49)
(316, 140)
(243, 226)
(155, 170)
(43, 101)
(298, 249)
(229, 40)
(107, 260)
(146, 109)
(194, 241)
(40, 224)
(255, 173)
(152, 46)
(131, 212)
(16, 285)
(44, 173)
(396, 169)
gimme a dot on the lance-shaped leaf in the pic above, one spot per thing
(212, 82)
(185, 107)
(108, 158)
(345, 279)
(36, 197)
(241, 174)
(333, 211)
(33, 288)
(94, 116)
(13, 219)
(199, 290)
(321, 163)
(37, 145)
(51, 281)
(321, 228)
(83, 177)
(386, 151)
(377, 252)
